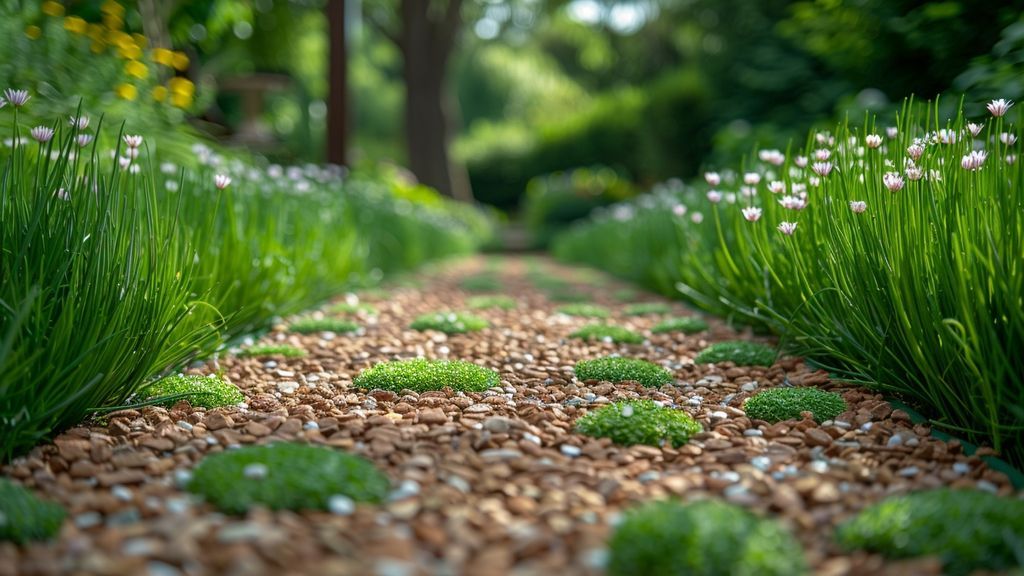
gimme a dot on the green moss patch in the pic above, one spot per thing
(739, 352)
(200, 391)
(616, 334)
(282, 350)
(285, 475)
(968, 530)
(639, 422)
(584, 310)
(708, 538)
(488, 302)
(625, 295)
(647, 308)
(352, 308)
(568, 296)
(421, 375)
(24, 517)
(778, 404)
(615, 369)
(481, 283)
(314, 325)
(449, 322)
(687, 325)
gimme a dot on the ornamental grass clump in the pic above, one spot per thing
(584, 310)
(263, 351)
(449, 322)
(647, 308)
(615, 369)
(738, 352)
(639, 422)
(200, 391)
(706, 538)
(24, 517)
(314, 325)
(968, 530)
(778, 404)
(686, 325)
(285, 476)
(489, 302)
(422, 375)
(608, 333)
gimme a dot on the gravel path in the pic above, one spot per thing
(489, 483)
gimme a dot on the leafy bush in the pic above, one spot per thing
(706, 538)
(285, 476)
(616, 369)
(421, 375)
(558, 199)
(738, 352)
(639, 422)
(313, 325)
(200, 391)
(584, 310)
(449, 322)
(688, 325)
(968, 530)
(283, 350)
(24, 517)
(485, 302)
(616, 334)
(778, 404)
(645, 308)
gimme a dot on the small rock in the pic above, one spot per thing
(753, 433)
(218, 421)
(121, 493)
(184, 426)
(501, 454)
(157, 568)
(255, 471)
(432, 416)
(986, 486)
(311, 425)
(627, 411)
(87, 520)
(749, 387)
(817, 437)
(498, 424)
(961, 467)
(570, 450)
(762, 463)
(718, 415)
(459, 483)
(182, 478)
(341, 505)
(894, 440)
(909, 471)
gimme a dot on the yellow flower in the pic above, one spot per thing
(163, 56)
(75, 25)
(51, 8)
(159, 93)
(113, 22)
(181, 100)
(180, 61)
(140, 40)
(181, 86)
(129, 51)
(97, 46)
(33, 32)
(96, 32)
(126, 91)
(136, 69)
(113, 8)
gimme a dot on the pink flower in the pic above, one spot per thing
(42, 134)
(752, 214)
(787, 228)
(975, 129)
(996, 107)
(792, 203)
(800, 161)
(822, 168)
(132, 153)
(16, 98)
(973, 161)
(124, 162)
(712, 178)
(893, 181)
(714, 196)
(777, 187)
(2, 103)
(892, 132)
(221, 181)
(858, 206)
(697, 217)
(1011, 158)
(822, 154)
(748, 191)
(1008, 139)
(80, 122)
(914, 172)
(873, 140)
(83, 140)
(945, 136)
(915, 151)
(751, 178)
(679, 210)
(133, 141)
(774, 157)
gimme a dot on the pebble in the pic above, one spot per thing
(627, 411)
(158, 568)
(762, 463)
(648, 476)
(894, 440)
(570, 450)
(719, 415)
(987, 486)
(311, 425)
(529, 437)
(753, 433)
(184, 426)
(341, 505)
(87, 520)
(122, 493)
(909, 471)
(749, 387)
(459, 483)
(961, 467)
(406, 489)
(255, 471)
(501, 454)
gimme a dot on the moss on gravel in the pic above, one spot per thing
(646, 308)
(778, 404)
(352, 308)
(200, 391)
(481, 283)
(686, 325)
(421, 375)
(616, 369)
(739, 352)
(488, 302)
(313, 325)
(449, 322)
(283, 350)
(24, 517)
(968, 530)
(706, 538)
(616, 334)
(569, 296)
(584, 310)
(285, 475)
(625, 295)
(639, 422)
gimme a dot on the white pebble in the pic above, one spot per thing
(987, 486)
(121, 493)
(212, 441)
(627, 411)
(894, 440)
(819, 466)
(961, 467)
(531, 438)
(595, 559)
(341, 505)
(184, 425)
(749, 387)
(255, 471)
(182, 478)
(719, 415)
(570, 450)
(754, 432)
(909, 471)
(311, 425)
(459, 483)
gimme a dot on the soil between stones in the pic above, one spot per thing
(487, 483)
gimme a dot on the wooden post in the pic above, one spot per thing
(337, 97)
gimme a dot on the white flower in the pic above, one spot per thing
(133, 140)
(83, 140)
(893, 181)
(914, 172)
(221, 181)
(696, 217)
(800, 161)
(168, 168)
(945, 136)
(915, 151)
(873, 140)
(1011, 158)
(892, 132)
(752, 214)
(714, 196)
(822, 168)
(792, 202)
(134, 169)
(1008, 138)
(975, 129)
(787, 228)
(774, 157)
(42, 134)
(858, 206)
(996, 107)
(124, 162)
(973, 161)
(748, 191)
(132, 153)
(679, 210)
(822, 154)
(777, 187)
(751, 178)
(79, 122)
(16, 98)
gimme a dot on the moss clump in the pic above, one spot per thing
(616, 334)
(739, 352)
(708, 538)
(283, 350)
(313, 325)
(481, 283)
(352, 308)
(24, 517)
(585, 310)
(625, 295)
(645, 308)
(689, 325)
(449, 322)
(421, 375)
(568, 296)
(200, 391)
(778, 404)
(486, 302)
(968, 530)
(639, 422)
(285, 475)
(615, 369)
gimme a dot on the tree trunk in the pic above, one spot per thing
(337, 98)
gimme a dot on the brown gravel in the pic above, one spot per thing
(492, 483)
